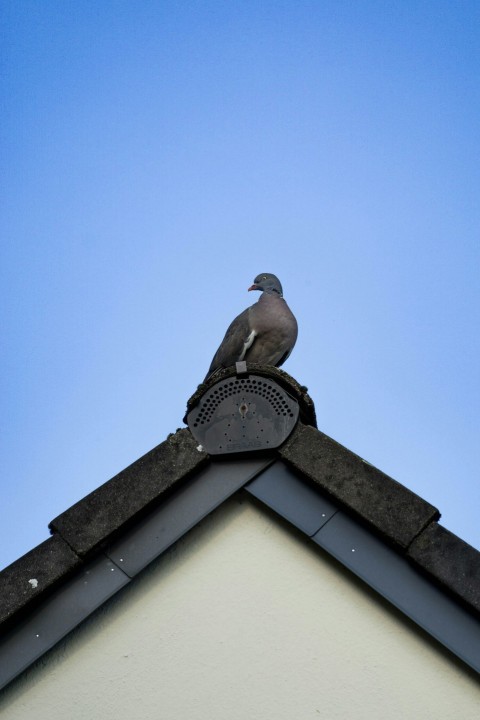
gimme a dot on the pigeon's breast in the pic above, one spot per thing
(276, 331)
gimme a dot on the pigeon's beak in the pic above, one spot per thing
(254, 287)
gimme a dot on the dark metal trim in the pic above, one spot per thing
(182, 511)
(65, 608)
(393, 577)
(385, 570)
(56, 616)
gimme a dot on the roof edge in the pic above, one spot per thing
(101, 515)
(33, 576)
(389, 508)
(450, 561)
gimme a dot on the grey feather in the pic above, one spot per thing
(263, 333)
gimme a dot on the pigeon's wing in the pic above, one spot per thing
(238, 338)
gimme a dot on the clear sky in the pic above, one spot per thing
(157, 156)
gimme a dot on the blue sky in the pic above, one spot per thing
(157, 156)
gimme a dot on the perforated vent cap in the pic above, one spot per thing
(242, 414)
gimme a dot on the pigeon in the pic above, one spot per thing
(263, 333)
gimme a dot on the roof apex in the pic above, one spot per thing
(286, 381)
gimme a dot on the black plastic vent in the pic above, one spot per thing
(242, 414)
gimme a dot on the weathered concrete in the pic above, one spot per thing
(31, 577)
(450, 561)
(101, 514)
(395, 512)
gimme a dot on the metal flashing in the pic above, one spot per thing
(379, 530)
(57, 615)
(393, 577)
(80, 596)
(181, 511)
(299, 503)
(384, 569)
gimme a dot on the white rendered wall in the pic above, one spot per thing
(245, 620)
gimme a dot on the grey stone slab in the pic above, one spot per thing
(57, 615)
(94, 520)
(391, 509)
(391, 575)
(299, 503)
(29, 578)
(181, 511)
(450, 560)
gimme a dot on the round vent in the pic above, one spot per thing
(242, 414)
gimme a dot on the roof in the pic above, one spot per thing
(383, 532)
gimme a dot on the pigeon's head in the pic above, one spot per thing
(266, 282)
